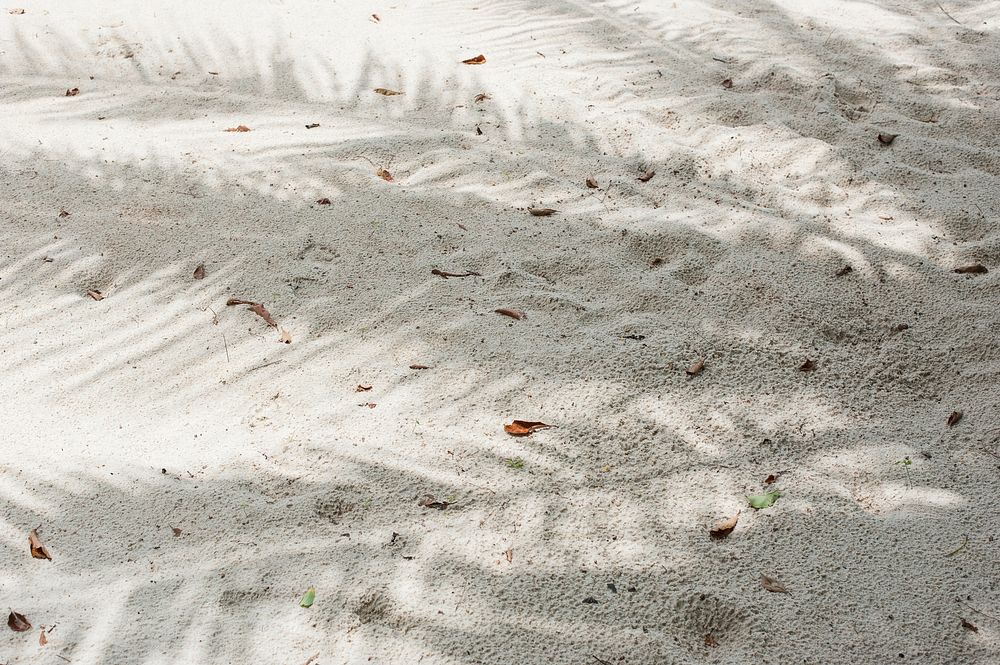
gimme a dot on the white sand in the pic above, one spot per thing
(125, 417)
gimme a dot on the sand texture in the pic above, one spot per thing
(193, 469)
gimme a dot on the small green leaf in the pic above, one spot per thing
(308, 598)
(759, 501)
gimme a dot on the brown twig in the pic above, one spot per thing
(947, 14)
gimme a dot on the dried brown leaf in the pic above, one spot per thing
(968, 625)
(772, 585)
(481, 97)
(478, 60)
(954, 418)
(844, 271)
(710, 640)
(15, 10)
(63, 213)
(285, 337)
(696, 367)
(323, 201)
(446, 275)
(509, 554)
(387, 92)
(887, 139)
(177, 531)
(374, 18)
(312, 125)
(512, 313)
(255, 307)
(725, 527)
(727, 83)
(237, 128)
(95, 294)
(542, 212)
(771, 478)
(808, 366)
(428, 501)
(38, 550)
(199, 272)
(415, 366)
(361, 387)
(385, 175)
(42, 640)
(974, 269)
(370, 405)
(18, 622)
(524, 427)
(72, 92)
(592, 183)
(647, 176)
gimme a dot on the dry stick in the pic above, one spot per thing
(600, 660)
(959, 548)
(227, 346)
(962, 602)
(947, 14)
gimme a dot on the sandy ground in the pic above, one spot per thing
(160, 408)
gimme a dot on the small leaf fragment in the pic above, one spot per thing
(647, 176)
(285, 337)
(63, 213)
(725, 527)
(710, 640)
(524, 427)
(481, 97)
(199, 272)
(374, 18)
(176, 531)
(72, 92)
(592, 184)
(385, 175)
(727, 83)
(308, 598)
(42, 640)
(772, 585)
(477, 60)
(38, 550)
(696, 367)
(428, 501)
(887, 139)
(18, 622)
(15, 11)
(512, 313)
(807, 366)
(761, 501)
(238, 128)
(95, 294)
(509, 555)
(542, 212)
(968, 625)
(446, 275)
(323, 201)
(362, 387)
(387, 92)
(255, 307)
(844, 271)
(312, 125)
(974, 269)
(420, 367)
(954, 418)
(771, 477)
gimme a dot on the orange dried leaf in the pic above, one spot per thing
(238, 128)
(38, 550)
(385, 175)
(512, 313)
(478, 60)
(255, 307)
(524, 427)
(73, 92)
(592, 183)
(725, 527)
(362, 388)
(42, 640)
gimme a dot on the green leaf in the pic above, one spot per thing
(758, 501)
(308, 598)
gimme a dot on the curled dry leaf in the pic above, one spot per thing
(975, 269)
(844, 271)
(238, 128)
(727, 83)
(512, 313)
(696, 367)
(481, 97)
(374, 18)
(954, 418)
(72, 92)
(312, 125)
(428, 501)
(968, 625)
(524, 427)
(387, 92)
(771, 478)
(15, 10)
(323, 201)
(385, 175)
(95, 294)
(478, 60)
(177, 532)
(591, 183)
(255, 307)
(420, 366)
(18, 622)
(542, 212)
(42, 640)
(772, 585)
(647, 176)
(446, 275)
(724, 528)
(362, 387)
(887, 139)
(38, 550)
(199, 272)
(808, 366)
(509, 554)
(63, 213)
(285, 337)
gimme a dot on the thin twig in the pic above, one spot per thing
(947, 14)
(227, 346)
(989, 616)
(600, 660)
(273, 362)
(959, 548)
